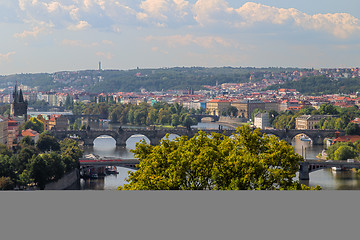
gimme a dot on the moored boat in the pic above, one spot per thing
(111, 170)
(335, 169)
(305, 138)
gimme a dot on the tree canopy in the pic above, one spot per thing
(29, 164)
(34, 124)
(246, 161)
(344, 151)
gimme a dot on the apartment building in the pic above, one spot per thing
(217, 107)
(246, 108)
(308, 122)
(261, 120)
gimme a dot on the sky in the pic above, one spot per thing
(53, 35)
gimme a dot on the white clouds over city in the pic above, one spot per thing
(196, 26)
(79, 15)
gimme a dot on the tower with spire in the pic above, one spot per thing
(18, 105)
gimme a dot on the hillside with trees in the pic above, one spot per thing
(176, 78)
(318, 85)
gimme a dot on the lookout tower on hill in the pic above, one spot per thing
(18, 105)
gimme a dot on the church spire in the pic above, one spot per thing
(18, 106)
(15, 93)
(21, 97)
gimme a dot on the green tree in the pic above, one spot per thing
(24, 178)
(175, 120)
(21, 160)
(70, 154)
(54, 165)
(4, 150)
(188, 122)
(7, 167)
(352, 129)
(247, 161)
(38, 171)
(152, 116)
(328, 109)
(344, 153)
(78, 108)
(272, 115)
(34, 124)
(6, 183)
(27, 141)
(113, 116)
(47, 143)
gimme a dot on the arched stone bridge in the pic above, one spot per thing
(310, 166)
(155, 135)
(317, 136)
(198, 117)
(121, 136)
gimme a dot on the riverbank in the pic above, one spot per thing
(231, 122)
(65, 182)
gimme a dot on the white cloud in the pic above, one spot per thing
(79, 26)
(164, 11)
(208, 12)
(114, 15)
(32, 33)
(212, 11)
(5, 57)
(87, 4)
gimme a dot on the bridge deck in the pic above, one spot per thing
(333, 163)
(108, 162)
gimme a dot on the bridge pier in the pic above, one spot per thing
(120, 143)
(88, 142)
(155, 141)
(304, 171)
(318, 141)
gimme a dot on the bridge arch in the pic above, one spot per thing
(91, 136)
(135, 138)
(108, 141)
(303, 137)
(199, 117)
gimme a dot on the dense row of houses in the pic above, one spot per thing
(10, 132)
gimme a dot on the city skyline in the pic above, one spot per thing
(51, 36)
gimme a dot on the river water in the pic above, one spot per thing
(105, 146)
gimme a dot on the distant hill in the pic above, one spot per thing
(132, 80)
(319, 85)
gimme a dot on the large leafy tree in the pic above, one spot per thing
(328, 109)
(34, 124)
(344, 152)
(39, 171)
(47, 142)
(248, 160)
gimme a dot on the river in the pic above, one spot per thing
(105, 146)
